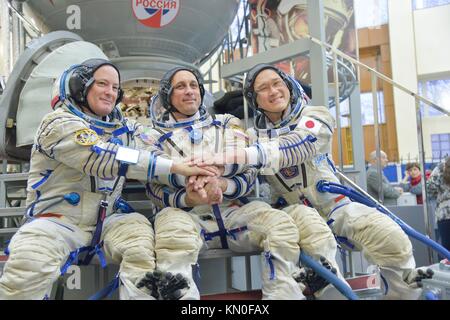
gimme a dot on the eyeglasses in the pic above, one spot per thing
(265, 88)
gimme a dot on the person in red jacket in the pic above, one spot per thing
(412, 182)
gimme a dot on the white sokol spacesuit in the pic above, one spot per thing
(282, 151)
(355, 225)
(77, 162)
(243, 228)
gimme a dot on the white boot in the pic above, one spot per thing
(277, 280)
(181, 279)
(129, 291)
(396, 285)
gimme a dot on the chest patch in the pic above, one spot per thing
(289, 173)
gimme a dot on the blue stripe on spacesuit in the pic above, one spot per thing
(71, 258)
(99, 131)
(45, 175)
(337, 207)
(166, 194)
(221, 225)
(164, 137)
(112, 157)
(99, 150)
(121, 131)
(123, 168)
(153, 159)
(30, 211)
(237, 193)
(345, 241)
(101, 162)
(88, 160)
(268, 257)
(308, 139)
(233, 171)
(330, 163)
(85, 117)
(173, 181)
(177, 197)
(261, 155)
(93, 164)
(105, 189)
(149, 168)
(150, 191)
(294, 155)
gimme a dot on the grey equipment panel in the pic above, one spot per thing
(35, 52)
(198, 28)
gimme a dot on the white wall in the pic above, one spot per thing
(420, 49)
(432, 36)
(403, 59)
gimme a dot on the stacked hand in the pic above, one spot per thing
(202, 189)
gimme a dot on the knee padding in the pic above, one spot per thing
(129, 240)
(36, 256)
(275, 226)
(381, 239)
(177, 236)
(315, 237)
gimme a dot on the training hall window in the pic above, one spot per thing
(344, 108)
(371, 13)
(440, 146)
(367, 117)
(438, 91)
(422, 4)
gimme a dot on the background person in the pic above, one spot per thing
(390, 193)
(412, 182)
(439, 186)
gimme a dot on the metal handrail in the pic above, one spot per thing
(379, 75)
(23, 19)
(375, 75)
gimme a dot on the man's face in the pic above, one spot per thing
(103, 94)
(384, 160)
(185, 95)
(272, 94)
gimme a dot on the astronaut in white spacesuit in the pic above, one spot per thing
(355, 225)
(82, 153)
(211, 209)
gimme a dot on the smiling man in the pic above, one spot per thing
(303, 134)
(82, 153)
(213, 210)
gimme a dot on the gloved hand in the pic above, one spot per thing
(164, 285)
(311, 280)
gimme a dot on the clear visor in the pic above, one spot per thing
(156, 110)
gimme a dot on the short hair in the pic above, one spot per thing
(373, 154)
(411, 165)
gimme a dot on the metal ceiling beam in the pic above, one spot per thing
(281, 53)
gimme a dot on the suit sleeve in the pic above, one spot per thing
(297, 146)
(69, 140)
